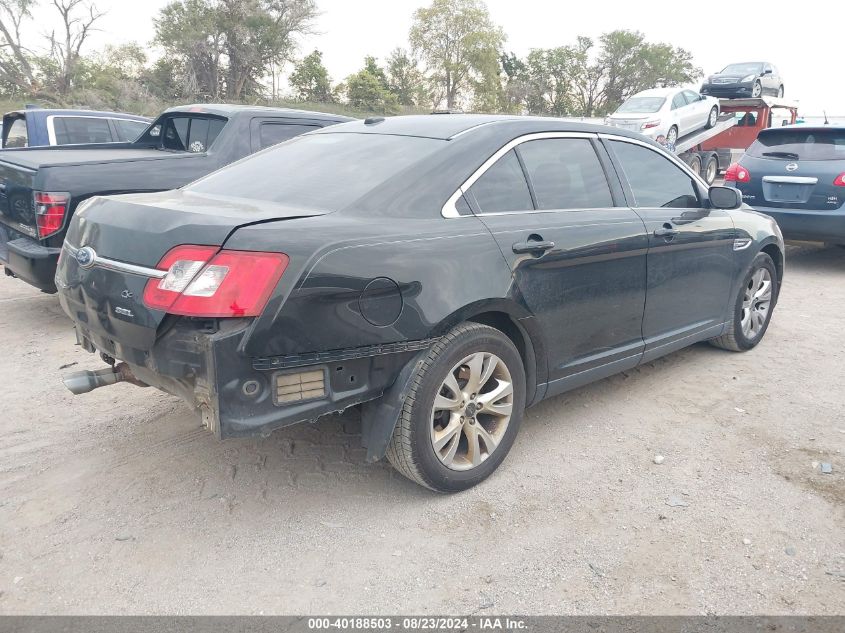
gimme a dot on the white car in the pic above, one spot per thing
(667, 112)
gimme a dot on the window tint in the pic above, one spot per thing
(503, 187)
(127, 130)
(678, 101)
(192, 134)
(274, 133)
(17, 136)
(691, 97)
(566, 174)
(655, 180)
(73, 130)
(331, 170)
(800, 144)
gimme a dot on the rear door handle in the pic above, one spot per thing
(666, 231)
(532, 246)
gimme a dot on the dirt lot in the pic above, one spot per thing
(118, 502)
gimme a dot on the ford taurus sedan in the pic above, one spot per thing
(442, 272)
(666, 112)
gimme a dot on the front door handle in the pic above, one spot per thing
(666, 231)
(532, 246)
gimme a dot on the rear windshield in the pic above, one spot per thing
(795, 144)
(742, 69)
(324, 172)
(642, 104)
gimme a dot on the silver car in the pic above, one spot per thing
(666, 112)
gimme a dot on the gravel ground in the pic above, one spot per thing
(118, 502)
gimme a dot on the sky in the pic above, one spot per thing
(801, 39)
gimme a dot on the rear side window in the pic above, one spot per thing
(330, 171)
(128, 130)
(800, 144)
(190, 134)
(503, 187)
(275, 133)
(17, 135)
(654, 179)
(566, 174)
(74, 130)
(678, 101)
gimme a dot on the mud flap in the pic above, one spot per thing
(379, 417)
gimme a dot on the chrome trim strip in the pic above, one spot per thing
(674, 157)
(450, 211)
(793, 180)
(121, 267)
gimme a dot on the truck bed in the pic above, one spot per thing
(37, 158)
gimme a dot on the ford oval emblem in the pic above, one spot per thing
(792, 167)
(85, 257)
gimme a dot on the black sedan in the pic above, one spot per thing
(444, 272)
(748, 79)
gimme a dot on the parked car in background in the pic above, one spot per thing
(667, 112)
(748, 79)
(36, 127)
(796, 174)
(40, 188)
(442, 271)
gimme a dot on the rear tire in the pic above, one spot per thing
(750, 322)
(469, 391)
(695, 163)
(712, 117)
(672, 137)
(710, 170)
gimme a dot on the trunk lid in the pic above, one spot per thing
(130, 234)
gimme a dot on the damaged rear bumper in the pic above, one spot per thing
(236, 396)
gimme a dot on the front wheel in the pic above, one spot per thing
(462, 412)
(753, 307)
(713, 117)
(757, 90)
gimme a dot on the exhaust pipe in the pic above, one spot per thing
(84, 381)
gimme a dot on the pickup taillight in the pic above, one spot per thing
(50, 211)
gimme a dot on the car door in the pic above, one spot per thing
(684, 114)
(690, 257)
(770, 80)
(577, 252)
(699, 108)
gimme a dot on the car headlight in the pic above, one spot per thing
(749, 78)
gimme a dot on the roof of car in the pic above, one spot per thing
(658, 92)
(449, 126)
(70, 112)
(804, 126)
(230, 110)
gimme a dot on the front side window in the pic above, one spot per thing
(503, 187)
(654, 179)
(75, 130)
(17, 135)
(566, 174)
(691, 96)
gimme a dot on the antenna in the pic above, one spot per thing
(826, 122)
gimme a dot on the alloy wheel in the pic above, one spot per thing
(756, 303)
(672, 136)
(471, 411)
(757, 90)
(714, 115)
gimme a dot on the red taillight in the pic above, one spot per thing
(50, 210)
(650, 124)
(737, 173)
(839, 181)
(203, 282)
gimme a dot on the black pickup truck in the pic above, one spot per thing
(41, 188)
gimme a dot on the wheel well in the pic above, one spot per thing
(774, 252)
(521, 340)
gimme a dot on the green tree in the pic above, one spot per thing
(550, 76)
(404, 78)
(310, 79)
(515, 87)
(367, 90)
(225, 47)
(459, 44)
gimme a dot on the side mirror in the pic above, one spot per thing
(767, 72)
(725, 197)
(702, 97)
